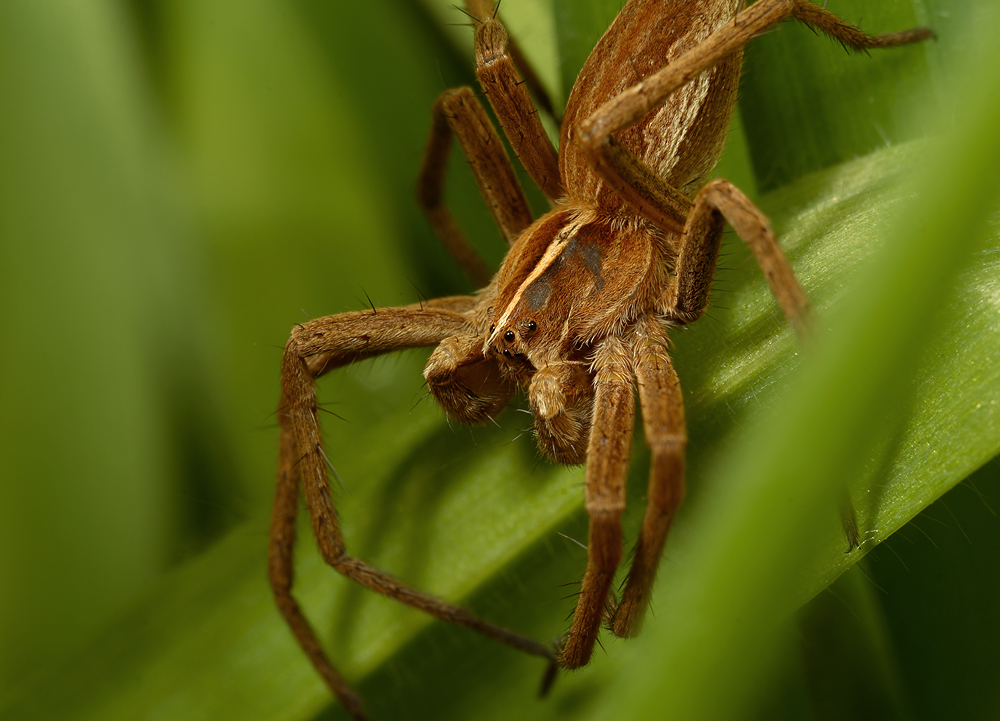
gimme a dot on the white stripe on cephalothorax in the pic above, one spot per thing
(555, 249)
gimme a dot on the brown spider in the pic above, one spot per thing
(579, 310)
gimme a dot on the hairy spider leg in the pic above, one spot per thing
(315, 348)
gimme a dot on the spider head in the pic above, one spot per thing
(553, 266)
(512, 340)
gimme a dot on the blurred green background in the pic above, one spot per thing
(183, 180)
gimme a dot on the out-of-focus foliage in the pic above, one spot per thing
(180, 180)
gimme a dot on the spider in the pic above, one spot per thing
(579, 311)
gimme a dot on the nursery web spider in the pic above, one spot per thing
(579, 310)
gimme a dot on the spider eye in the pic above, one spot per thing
(532, 325)
(492, 328)
(509, 336)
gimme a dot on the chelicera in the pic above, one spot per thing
(578, 313)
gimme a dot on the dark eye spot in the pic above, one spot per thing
(532, 325)
(492, 328)
(509, 336)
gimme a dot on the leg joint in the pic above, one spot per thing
(672, 444)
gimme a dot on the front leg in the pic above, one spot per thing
(457, 113)
(510, 100)
(315, 348)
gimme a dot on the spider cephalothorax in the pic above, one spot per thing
(578, 312)
(573, 278)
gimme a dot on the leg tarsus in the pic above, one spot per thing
(849, 520)
(548, 679)
(822, 19)
(386, 585)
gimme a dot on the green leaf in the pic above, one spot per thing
(299, 129)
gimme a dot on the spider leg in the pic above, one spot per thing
(654, 199)
(700, 226)
(281, 572)
(663, 423)
(685, 300)
(687, 294)
(458, 113)
(510, 100)
(531, 79)
(608, 455)
(316, 347)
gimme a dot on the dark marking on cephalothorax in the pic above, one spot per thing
(537, 294)
(577, 259)
(590, 254)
